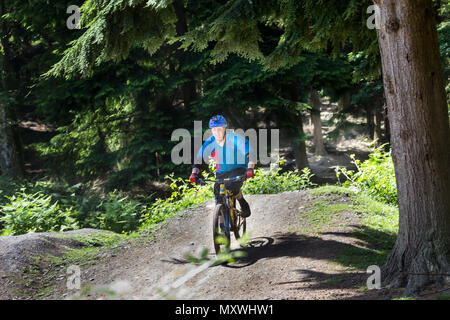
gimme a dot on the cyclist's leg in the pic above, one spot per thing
(245, 207)
(235, 187)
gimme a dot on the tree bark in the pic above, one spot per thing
(301, 159)
(378, 119)
(11, 161)
(370, 121)
(317, 123)
(188, 89)
(387, 128)
(8, 156)
(414, 89)
(344, 101)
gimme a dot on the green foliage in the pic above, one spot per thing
(444, 43)
(273, 181)
(374, 177)
(183, 196)
(113, 28)
(121, 214)
(370, 91)
(236, 27)
(43, 206)
(122, 138)
(35, 213)
(237, 86)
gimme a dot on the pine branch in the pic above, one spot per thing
(113, 28)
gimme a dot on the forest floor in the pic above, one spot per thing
(290, 255)
(312, 244)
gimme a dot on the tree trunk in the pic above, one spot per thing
(414, 89)
(301, 159)
(387, 128)
(188, 89)
(317, 123)
(370, 122)
(344, 101)
(11, 161)
(378, 119)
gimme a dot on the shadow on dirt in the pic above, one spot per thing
(289, 245)
(370, 248)
(354, 250)
(354, 281)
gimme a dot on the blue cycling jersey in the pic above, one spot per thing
(232, 155)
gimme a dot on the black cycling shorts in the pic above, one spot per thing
(233, 186)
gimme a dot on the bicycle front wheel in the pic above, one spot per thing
(221, 236)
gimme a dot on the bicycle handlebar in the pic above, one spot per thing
(237, 178)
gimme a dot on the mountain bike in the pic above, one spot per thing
(226, 216)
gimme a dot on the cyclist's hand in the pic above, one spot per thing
(193, 178)
(250, 173)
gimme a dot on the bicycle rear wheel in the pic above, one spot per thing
(220, 234)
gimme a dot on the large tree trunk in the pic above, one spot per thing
(317, 123)
(188, 89)
(414, 89)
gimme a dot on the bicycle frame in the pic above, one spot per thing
(230, 199)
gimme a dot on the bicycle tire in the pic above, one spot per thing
(219, 210)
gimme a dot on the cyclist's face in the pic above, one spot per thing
(218, 133)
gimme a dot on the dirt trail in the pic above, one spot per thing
(281, 262)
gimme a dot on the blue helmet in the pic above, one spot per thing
(217, 121)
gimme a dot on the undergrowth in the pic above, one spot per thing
(374, 177)
(43, 206)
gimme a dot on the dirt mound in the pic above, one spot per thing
(18, 252)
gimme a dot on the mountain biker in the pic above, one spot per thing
(231, 154)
